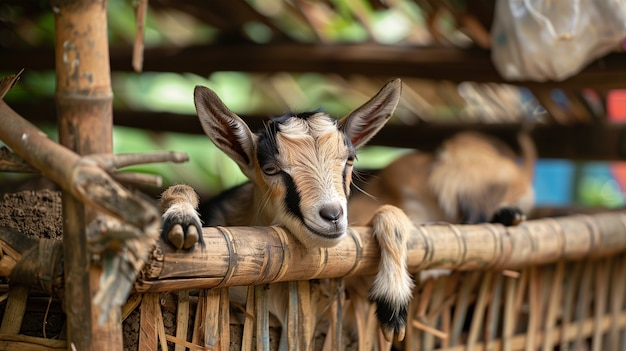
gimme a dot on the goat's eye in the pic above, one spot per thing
(350, 160)
(270, 169)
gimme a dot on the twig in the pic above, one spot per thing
(140, 15)
(9, 162)
(113, 162)
(8, 82)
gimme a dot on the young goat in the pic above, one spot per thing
(300, 171)
(472, 178)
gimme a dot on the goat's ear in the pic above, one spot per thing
(227, 130)
(365, 121)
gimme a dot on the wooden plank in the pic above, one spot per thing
(581, 141)
(555, 297)
(600, 301)
(437, 63)
(148, 333)
(306, 315)
(509, 317)
(224, 319)
(14, 312)
(438, 295)
(211, 319)
(534, 309)
(479, 310)
(583, 302)
(182, 318)
(494, 310)
(262, 317)
(618, 287)
(291, 326)
(248, 324)
(22, 343)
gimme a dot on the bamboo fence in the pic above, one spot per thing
(548, 283)
(260, 255)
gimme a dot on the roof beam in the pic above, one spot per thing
(597, 141)
(372, 59)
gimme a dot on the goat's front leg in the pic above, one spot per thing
(393, 286)
(181, 224)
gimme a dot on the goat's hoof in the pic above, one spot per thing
(181, 240)
(508, 216)
(389, 333)
(176, 236)
(191, 238)
(392, 319)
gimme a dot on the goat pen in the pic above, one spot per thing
(548, 283)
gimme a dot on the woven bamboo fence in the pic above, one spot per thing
(251, 256)
(546, 284)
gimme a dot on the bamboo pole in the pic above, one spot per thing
(85, 115)
(460, 247)
(478, 247)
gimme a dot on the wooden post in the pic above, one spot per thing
(84, 107)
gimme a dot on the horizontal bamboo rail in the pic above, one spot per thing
(257, 255)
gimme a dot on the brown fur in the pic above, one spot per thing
(311, 157)
(468, 180)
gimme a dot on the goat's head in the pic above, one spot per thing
(301, 164)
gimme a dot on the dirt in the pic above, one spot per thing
(34, 213)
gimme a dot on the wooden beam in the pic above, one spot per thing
(430, 246)
(346, 59)
(235, 250)
(597, 141)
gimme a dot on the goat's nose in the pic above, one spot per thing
(331, 212)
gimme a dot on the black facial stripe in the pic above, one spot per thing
(267, 148)
(302, 115)
(292, 197)
(352, 153)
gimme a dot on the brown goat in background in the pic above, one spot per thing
(473, 178)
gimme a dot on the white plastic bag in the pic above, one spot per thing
(554, 39)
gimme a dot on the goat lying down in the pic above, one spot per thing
(472, 178)
(300, 171)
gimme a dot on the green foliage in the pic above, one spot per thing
(209, 170)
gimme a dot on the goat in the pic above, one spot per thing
(300, 172)
(472, 178)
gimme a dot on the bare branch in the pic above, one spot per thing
(86, 178)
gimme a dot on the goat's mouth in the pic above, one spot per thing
(326, 235)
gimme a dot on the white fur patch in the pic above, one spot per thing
(181, 209)
(394, 285)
